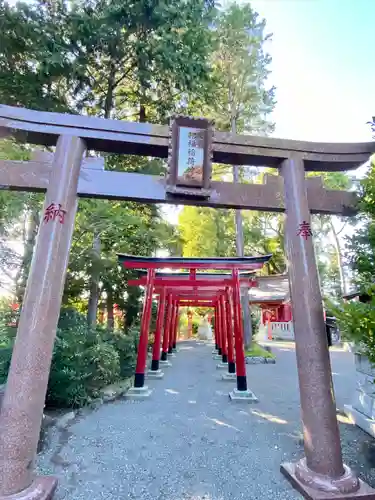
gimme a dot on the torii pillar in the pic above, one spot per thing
(140, 390)
(26, 387)
(231, 374)
(223, 328)
(321, 474)
(171, 327)
(167, 319)
(176, 329)
(155, 371)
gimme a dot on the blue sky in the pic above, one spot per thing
(323, 67)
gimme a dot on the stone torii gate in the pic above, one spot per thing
(64, 177)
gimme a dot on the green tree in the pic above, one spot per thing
(328, 240)
(50, 51)
(35, 67)
(137, 62)
(34, 72)
(19, 213)
(241, 66)
(243, 101)
(205, 232)
(361, 246)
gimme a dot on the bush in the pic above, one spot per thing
(82, 364)
(254, 325)
(126, 344)
(5, 357)
(195, 323)
(71, 318)
(356, 321)
(84, 359)
(8, 318)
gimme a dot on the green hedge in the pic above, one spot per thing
(356, 321)
(84, 359)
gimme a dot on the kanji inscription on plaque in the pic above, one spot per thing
(190, 154)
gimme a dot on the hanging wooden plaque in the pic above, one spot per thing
(190, 156)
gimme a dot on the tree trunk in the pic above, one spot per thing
(142, 114)
(101, 307)
(108, 104)
(17, 278)
(94, 285)
(32, 225)
(110, 305)
(240, 253)
(92, 311)
(339, 259)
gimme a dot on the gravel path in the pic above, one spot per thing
(188, 441)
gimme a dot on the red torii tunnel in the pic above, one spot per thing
(217, 290)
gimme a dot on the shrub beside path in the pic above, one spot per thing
(188, 441)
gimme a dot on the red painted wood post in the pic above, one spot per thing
(171, 327)
(229, 319)
(238, 332)
(174, 346)
(223, 330)
(218, 330)
(139, 377)
(215, 331)
(158, 330)
(168, 315)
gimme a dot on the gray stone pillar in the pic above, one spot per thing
(23, 403)
(322, 469)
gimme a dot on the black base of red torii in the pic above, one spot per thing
(183, 289)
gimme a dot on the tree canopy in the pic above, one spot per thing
(137, 61)
(361, 245)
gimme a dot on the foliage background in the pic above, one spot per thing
(139, 61)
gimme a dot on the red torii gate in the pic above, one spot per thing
(223, 292)
(187, 290)
(186, 296)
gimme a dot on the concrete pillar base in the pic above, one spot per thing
(229, 377)
(165, 363)
(42, 488)
(215, 351)
(171, 354)
(243, 396)
(155, 374)
(222, 366)
(138, 393)
(363, 491)
(175, 350)
(217, 356)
